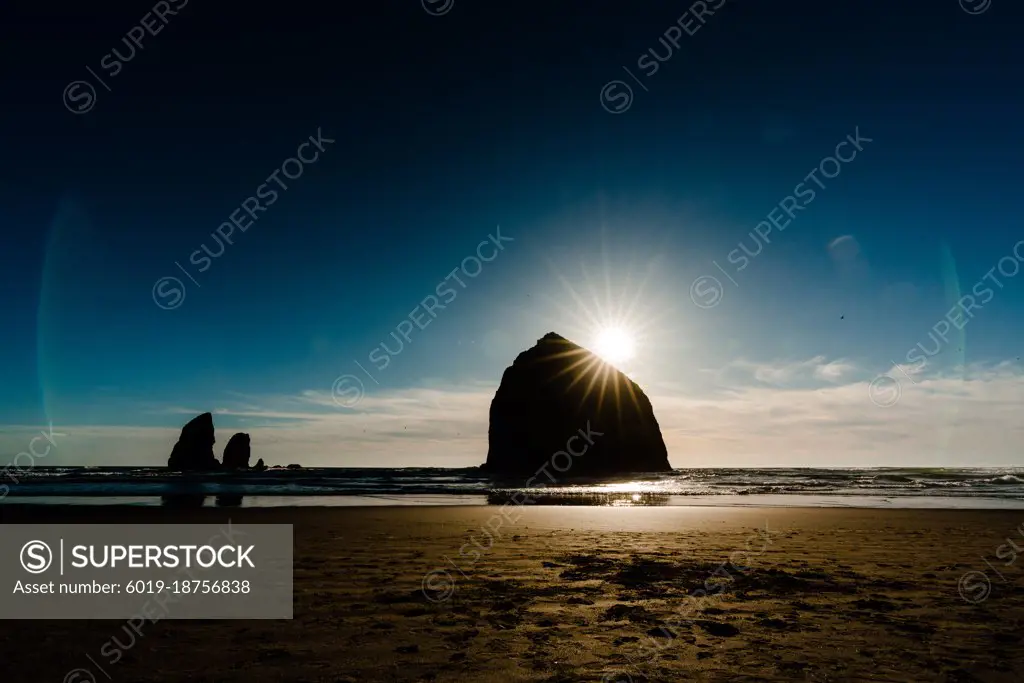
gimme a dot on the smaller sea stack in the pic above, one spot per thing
(236, 453)
(194, 449)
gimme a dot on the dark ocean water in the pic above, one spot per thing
(889, 487)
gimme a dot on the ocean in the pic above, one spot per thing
(975, 488)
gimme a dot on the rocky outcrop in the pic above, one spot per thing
(236, 453)
(562, 406)
(260, 466)
(194, 450)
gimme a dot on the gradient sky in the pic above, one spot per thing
(446, 126)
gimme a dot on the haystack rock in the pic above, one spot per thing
(194, 450)
(558, 396)
(236, 453)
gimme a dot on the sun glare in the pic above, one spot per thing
(614, 345)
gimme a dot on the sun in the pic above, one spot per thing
(614, 344)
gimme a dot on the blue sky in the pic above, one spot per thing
(607, 219)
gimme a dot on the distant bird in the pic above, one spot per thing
(842, 317)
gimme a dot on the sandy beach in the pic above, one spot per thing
(562, 594)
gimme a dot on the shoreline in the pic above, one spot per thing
(900, 488)
(319, 500)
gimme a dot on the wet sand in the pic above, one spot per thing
(562, 594)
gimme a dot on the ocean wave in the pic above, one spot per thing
(889, 482)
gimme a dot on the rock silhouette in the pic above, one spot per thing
(194, 449)
(259, 466)
(236, 453)
(558, 396)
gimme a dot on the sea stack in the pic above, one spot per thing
(194, 450)
(236, 453)
(559, 397)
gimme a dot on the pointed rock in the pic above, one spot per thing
(194, 450)
(236, 453)
(558, 396)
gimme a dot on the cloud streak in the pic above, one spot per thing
(808, 413)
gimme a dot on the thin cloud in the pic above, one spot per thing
(783, 373)
(834, 371)
(965, 417)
